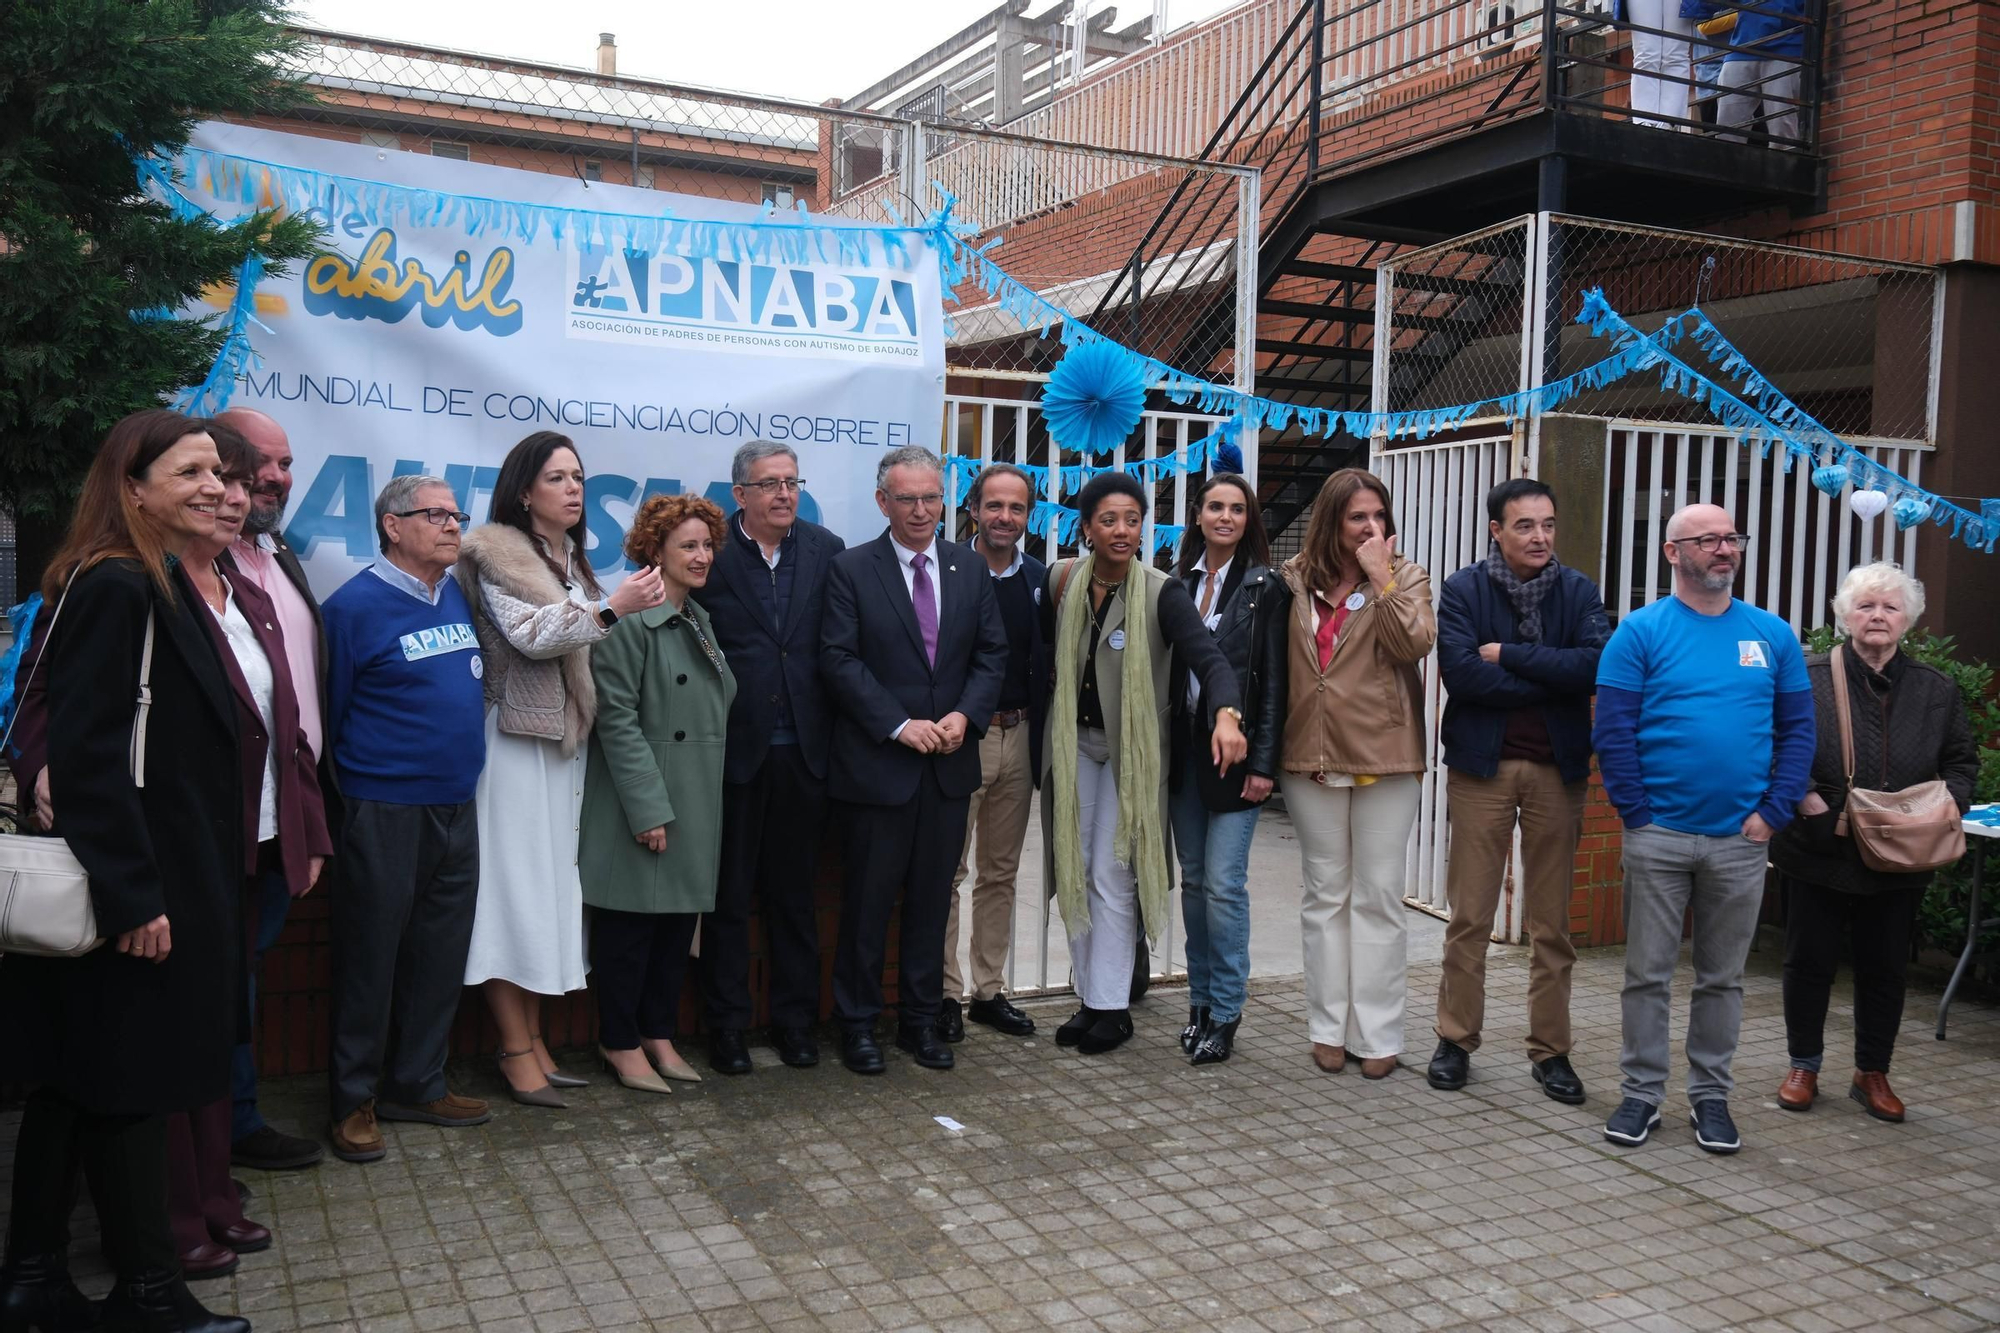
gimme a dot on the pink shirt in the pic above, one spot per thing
(295, 621)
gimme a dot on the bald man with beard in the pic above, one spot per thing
(261, 555)
(1705, 737)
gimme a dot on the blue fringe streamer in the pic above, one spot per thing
(21, 623)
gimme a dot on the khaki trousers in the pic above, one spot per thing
(1482, 813)
(997, 823)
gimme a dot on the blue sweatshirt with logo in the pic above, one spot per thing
(405, 698)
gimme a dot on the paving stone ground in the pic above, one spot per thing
(1130, 1192)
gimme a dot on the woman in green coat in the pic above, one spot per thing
(651, 831)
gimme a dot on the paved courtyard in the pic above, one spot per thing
(1132, 1192)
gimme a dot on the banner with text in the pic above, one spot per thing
(402, 348)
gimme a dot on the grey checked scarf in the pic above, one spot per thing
(1527, 597)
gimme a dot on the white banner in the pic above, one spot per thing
(404, 348)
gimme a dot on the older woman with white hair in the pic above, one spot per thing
(1910, 726)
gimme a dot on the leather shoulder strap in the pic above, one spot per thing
(1069, 568)
(1838, 665)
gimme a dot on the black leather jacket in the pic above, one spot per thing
(1251, 634)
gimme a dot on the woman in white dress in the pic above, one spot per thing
(537, 608)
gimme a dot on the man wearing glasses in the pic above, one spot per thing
(913, 656)
(764, 598)
(405, 727)
(1705, 738)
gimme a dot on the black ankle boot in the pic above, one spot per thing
(1217, 1041)
(37, 1296)
(159, 1302)
(1197, 1023)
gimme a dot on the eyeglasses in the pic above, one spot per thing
(437, 516)
(1709, 542)
(929, 501)
(772, 485)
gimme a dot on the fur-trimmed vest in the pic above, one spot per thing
(535, 640)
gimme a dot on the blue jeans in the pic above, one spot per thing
(1214, 852)
(274, 903)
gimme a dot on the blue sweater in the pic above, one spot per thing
(405, 702)
(1702, 720)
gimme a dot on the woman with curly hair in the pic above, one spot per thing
(651, 834)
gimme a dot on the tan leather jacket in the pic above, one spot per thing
(1365, 712)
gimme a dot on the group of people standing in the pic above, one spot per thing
(519, 781)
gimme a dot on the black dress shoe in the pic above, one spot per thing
(161, 1303)
(1559, 1080)
(950, 1024)
(1449, 1066)
(268, 1150)
(1191, 1034)
(1000, 1014)
(1217, 1041)
(728, 1053)
(860, 1052)
(921, 1041)
(209, 1259)
(796, 1047)
(1112, 1029)
(1071, 1032)
(36, 1293)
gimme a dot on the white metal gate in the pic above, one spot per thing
(1439, 499)
(1803, 541)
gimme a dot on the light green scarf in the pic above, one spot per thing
(1139, 841)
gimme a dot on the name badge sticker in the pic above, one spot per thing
(1117, 640)
(1753, 653)
(1355, 601)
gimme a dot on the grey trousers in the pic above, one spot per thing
(401, 926)
(1722, 880)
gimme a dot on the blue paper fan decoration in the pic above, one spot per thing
(1093, 399)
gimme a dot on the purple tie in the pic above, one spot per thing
(926, 606)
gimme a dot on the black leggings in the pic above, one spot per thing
(1820, 926)
(124, 1159)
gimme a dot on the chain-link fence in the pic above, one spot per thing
(1073, 215)
(1845, 337)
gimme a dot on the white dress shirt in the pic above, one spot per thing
(903, 557)
(1212, 619)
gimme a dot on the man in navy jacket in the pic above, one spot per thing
(765, 598)
(1519, 635)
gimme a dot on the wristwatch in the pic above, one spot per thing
(606, 616)
(1234, 712)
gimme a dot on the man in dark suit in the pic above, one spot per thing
(913, 656)
(263, 558)
(1010, 757)
(764, 597)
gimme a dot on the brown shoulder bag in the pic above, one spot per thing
(1896, 832)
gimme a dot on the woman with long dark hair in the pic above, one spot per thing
(1225, 565)
(151, 803)
(537, 607)
(1353, 762)
(1118, 626)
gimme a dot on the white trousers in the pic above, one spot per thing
(1102, 956)
(1745, 82)
(1354, 843)
(1652, 56)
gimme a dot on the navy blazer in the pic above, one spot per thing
(1041, 653)
(1557, 675)
(872, 660)
(761, 653)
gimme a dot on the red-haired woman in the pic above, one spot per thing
(151, 804)
(651, 836)
(1353, 759)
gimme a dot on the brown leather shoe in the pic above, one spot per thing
(1796, 1093)
(245, 1237)
(358, 1138)
(208, 1260)
(1330, 1059)
(451, 1110)
(1378, 1067)
(1871, 1089)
